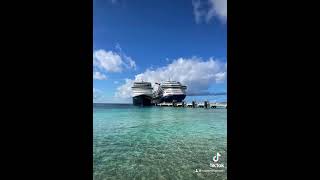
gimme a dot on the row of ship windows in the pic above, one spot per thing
(141, 86)
(141, 91)
(171, 87)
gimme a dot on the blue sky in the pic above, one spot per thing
(151, 40)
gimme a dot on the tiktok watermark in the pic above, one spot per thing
(214, 164)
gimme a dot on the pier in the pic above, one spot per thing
(193, 104)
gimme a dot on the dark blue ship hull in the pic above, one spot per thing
(177, 98)
(142, 100)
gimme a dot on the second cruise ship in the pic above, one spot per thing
(170, 91)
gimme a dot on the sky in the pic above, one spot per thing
(158, 40)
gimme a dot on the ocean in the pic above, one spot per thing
(158, 142)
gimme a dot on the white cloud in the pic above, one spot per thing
(124, 91)
(111, 61)
(218, 8)
(197, 10)
(207, 9)
(194, 72)
(107, 60)
(99, 76)
(130, 64)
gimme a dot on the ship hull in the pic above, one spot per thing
(171, 98)
(142, 100)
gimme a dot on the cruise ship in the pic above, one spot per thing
(142, 93)
(170, 91)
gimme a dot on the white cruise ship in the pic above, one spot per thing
(170, 91)
(142, 93)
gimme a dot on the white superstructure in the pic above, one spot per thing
(142, 88)
(173, 88)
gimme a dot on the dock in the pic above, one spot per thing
(193, 104)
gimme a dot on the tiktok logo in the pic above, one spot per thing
(216, 157)
(217, 167)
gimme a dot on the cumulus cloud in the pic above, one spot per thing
(205, 10)
(112, 61)
(124, 91)
(99, 76)
(107, 60)
(194, 72)
(217, 8)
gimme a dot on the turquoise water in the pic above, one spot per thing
(158, 142)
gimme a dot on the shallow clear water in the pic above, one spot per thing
(158, 142)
